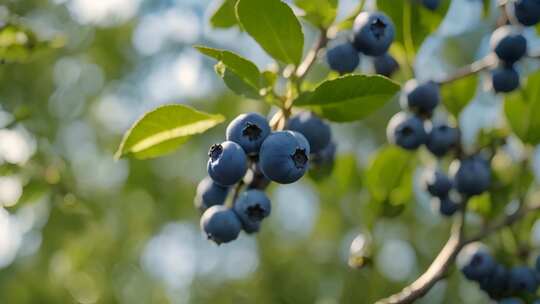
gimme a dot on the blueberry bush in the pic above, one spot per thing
(425, 88)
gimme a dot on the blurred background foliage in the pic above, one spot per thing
(78, 227)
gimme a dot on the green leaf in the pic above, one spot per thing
(457, 94)
(246, 70)
(224, 16)
(523, 111)
(274, 26)
(350, 97)
(321, 13)
(164, 129)
(19, 44)
(389, 179)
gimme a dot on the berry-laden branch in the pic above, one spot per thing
(439, 267)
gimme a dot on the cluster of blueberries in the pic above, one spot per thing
(373, 33)
(499, 282)
(255, 155)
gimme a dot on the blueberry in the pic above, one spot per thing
(252, 207)
(496, 283)
(284, 156)
(343, 58)
(227, 164)
(509, 45)
(385, 65)
(316, 131)
(322, 163)
(504, 79)
(441, 139)
(475, 262)
(437, 183)
(431, 4)
(447, 206)
(527, 12)
(523, 278)
(249, 131)
(473, 175)
(406, 131)
(373, 33)
(420, 98)
(210, 194)
(220, 224)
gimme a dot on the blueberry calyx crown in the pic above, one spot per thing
(251, 131)
(406, 131)
(378, 27)
(299, 158)
(215, 151)
(255, 212)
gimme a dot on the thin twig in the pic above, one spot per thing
(470, 69)
(436, 271)
(439, 268)
(311, 57)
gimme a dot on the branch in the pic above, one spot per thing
(436, 271)
(439, 267)
(470, 69)
(311, 57)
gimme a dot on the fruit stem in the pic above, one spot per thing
(470, 69)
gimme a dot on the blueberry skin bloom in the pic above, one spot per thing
(385, 65)
(504, 79)
(249, 131)
(473, 176)
(527, 12)
(497, 282)
(210, 194)
(475, 262)
(523, 278)
(284, 156)
(252, 207)
(343, 58)
(406, 131)
(437, 183)
(441, 139)
(420, 98)
(508, 45)
(373, 33)
(227, 164)
(220, 224)
(316, 131)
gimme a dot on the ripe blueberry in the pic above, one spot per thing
(527, 12)
(472, 176)
(343, 58)
(373, 33)
(322, 163)
(209, 194)
(441, 139)
(420, 98)
(447, 206)
(406, 131)
(504, 79)
(523, 278)
(220, 224)
(284, 156)
(496, 283)
(316, 131)
(431, 4)
(227, 164)
(509, 45)
(249, 131)
(475, 262)
(385, 65)
(252, 207)
(437, 183)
